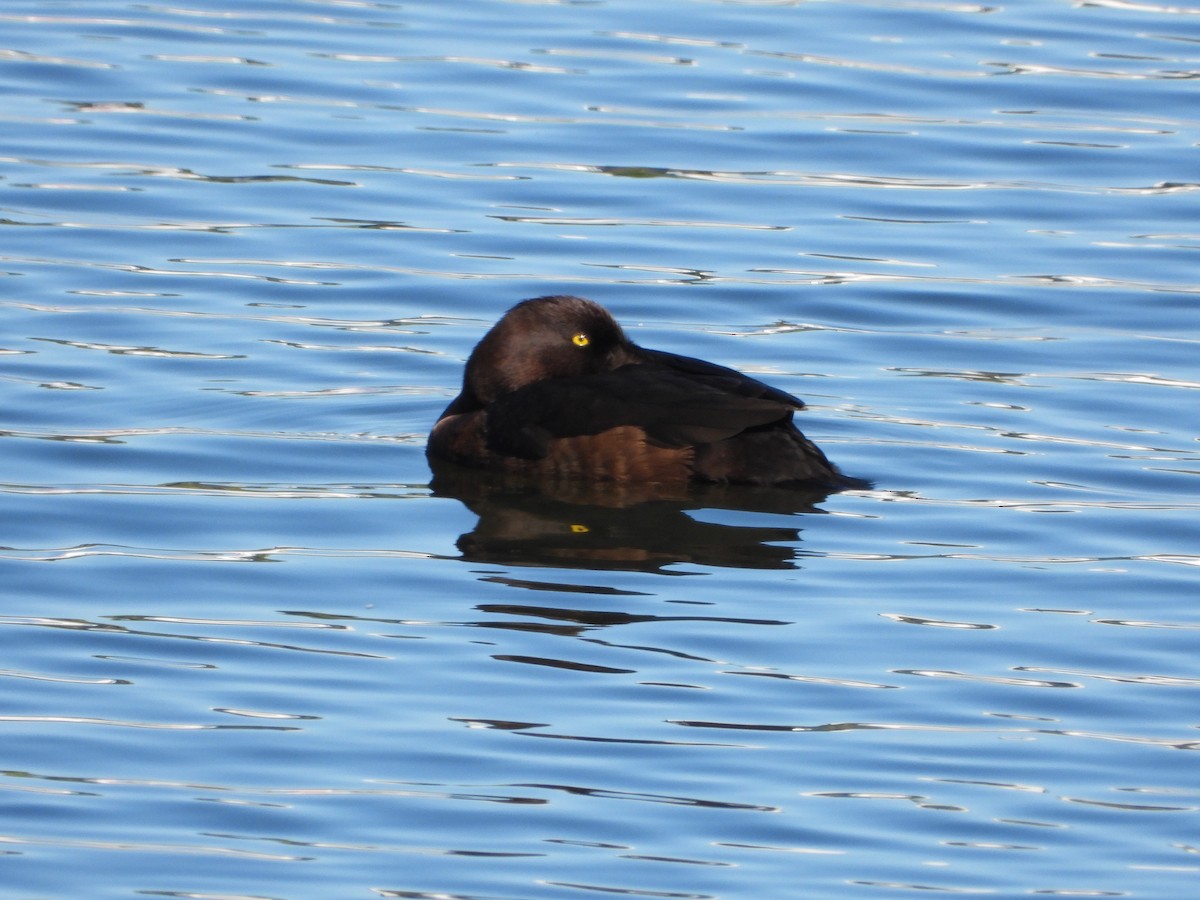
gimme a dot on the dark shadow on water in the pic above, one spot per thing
(621, 527)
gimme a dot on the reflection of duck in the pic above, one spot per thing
(556, 391)
(623, 527)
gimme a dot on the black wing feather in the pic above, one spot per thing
(721, 377)
(676, 400)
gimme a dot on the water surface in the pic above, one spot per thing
(250, 651)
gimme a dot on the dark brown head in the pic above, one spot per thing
(547, 337)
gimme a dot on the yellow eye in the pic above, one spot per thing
(581, 340)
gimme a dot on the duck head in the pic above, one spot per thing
(546, 337)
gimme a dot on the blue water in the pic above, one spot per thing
(248, 652)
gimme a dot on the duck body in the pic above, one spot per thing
(557, 391)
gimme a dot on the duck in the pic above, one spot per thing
(556, 392)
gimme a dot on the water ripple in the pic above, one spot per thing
(258, 555)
